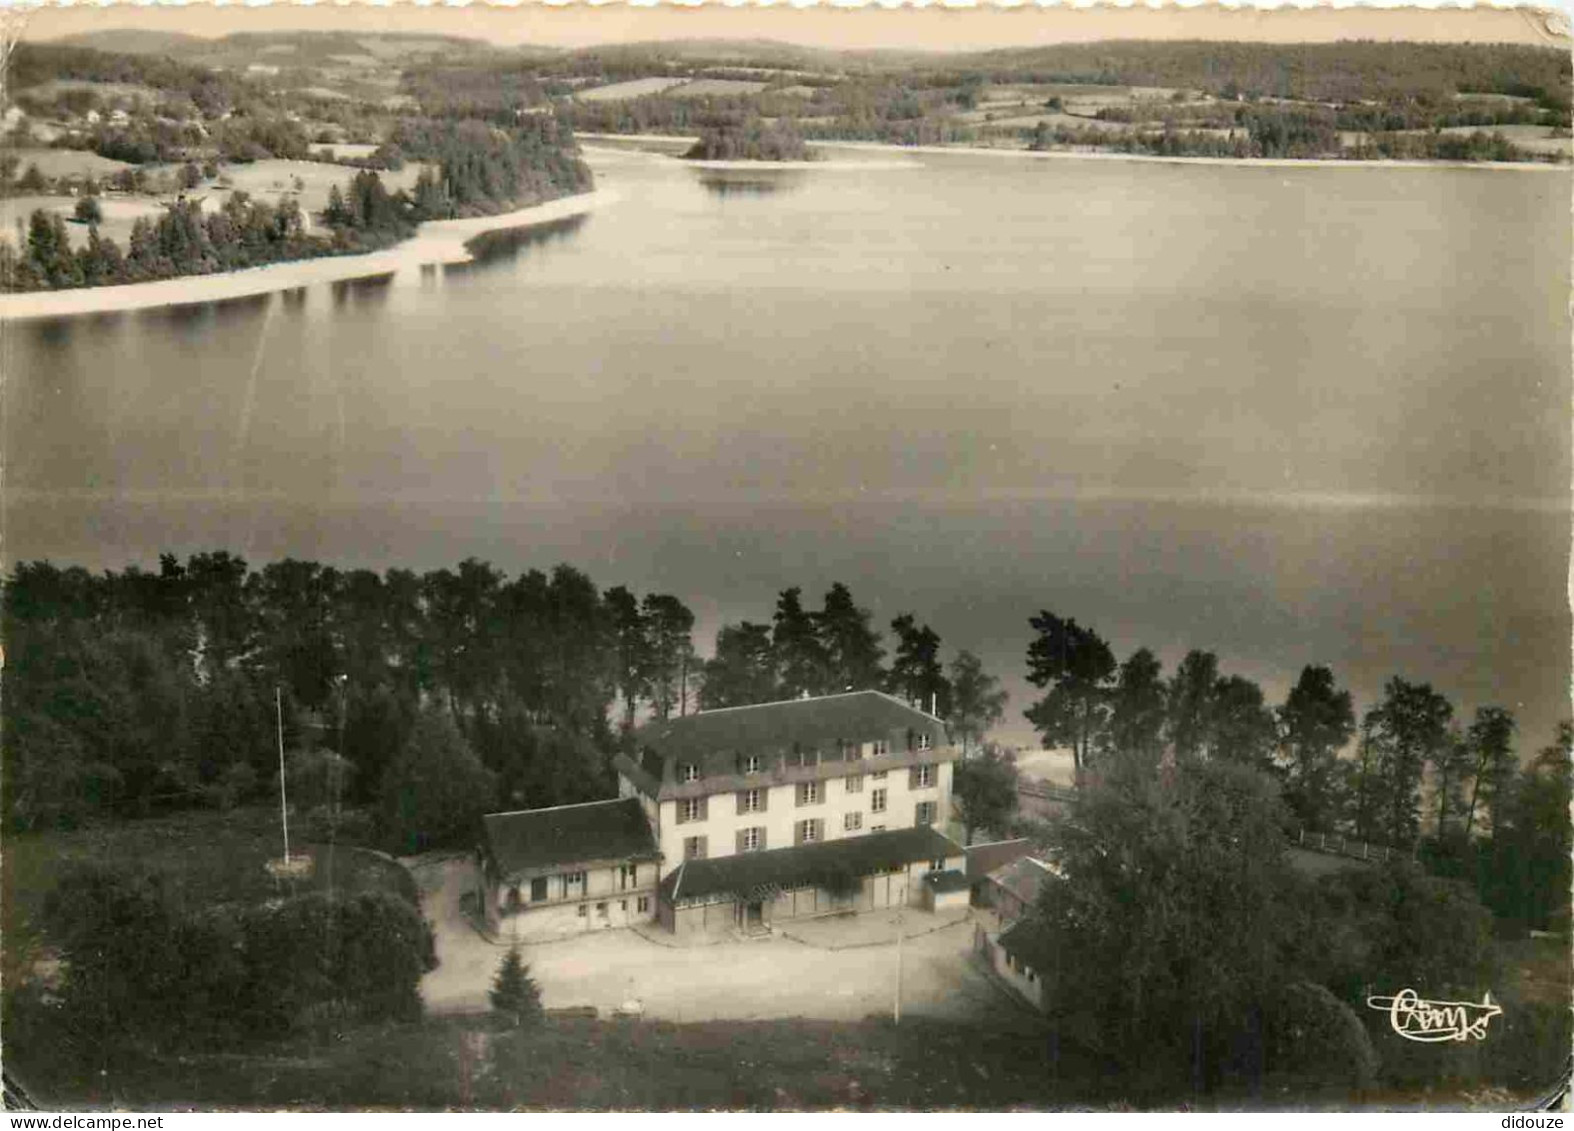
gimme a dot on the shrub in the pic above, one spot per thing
(1312, 1034)
(88, 211)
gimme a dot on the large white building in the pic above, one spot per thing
(732, 819)
(802, 807)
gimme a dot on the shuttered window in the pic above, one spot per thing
(752, 800)
(920, 777)
(809, 793)
(809, 832)
(751, 839)
(692, 809)
(694, 848)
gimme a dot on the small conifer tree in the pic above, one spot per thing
(514, 993)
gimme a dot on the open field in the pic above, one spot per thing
(67, 162)
(271, 179)
(206, 856)
(701, 88)
(120, 213)
(346, 149)
(634, 88)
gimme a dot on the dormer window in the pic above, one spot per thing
(688, 772)
(879, 748)
(751, 764)
(924, 741)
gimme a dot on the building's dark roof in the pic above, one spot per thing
(756, 875)
(1027, 941)
(814, 724)
(1024, 878)
(983, 859)
(949, 880)
(569, 834)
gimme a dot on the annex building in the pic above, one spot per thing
(737, 818)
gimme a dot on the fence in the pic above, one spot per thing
(1333, 845)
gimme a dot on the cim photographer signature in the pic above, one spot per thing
(1417, 1019)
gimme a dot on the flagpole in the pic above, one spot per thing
(284, 811)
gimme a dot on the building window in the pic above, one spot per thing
(694, 848)
(880, 747)
(852, 822)
(923, 777)
(924, 741)
(601, 909)
(513, 898)
(808, 793)
(642, 905)
(926, 813)
(878, 775)
(810, 831)
(623, 905)
(752, 839)
(691, 809)
(751, 764)
(850, 751)
(628, 876)
(583, 910)
(538, 889)
(937, 865)
(877, 828)
(688, 772)
(877, 801)
(854, 783)
(751, 801)
(573, 884)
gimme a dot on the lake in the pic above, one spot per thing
(1292, 415)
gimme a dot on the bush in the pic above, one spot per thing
(88, 211)
(1312, 1034)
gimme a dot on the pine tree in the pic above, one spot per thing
(514, 993)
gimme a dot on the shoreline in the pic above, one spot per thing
(1088, 155)
(435, 243)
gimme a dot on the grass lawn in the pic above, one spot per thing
(208, 858)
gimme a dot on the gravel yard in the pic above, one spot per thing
(773, 977)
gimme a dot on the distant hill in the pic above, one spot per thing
(132, 41)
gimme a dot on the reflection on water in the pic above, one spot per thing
(751, 183)
(371, 289)
(505, 245)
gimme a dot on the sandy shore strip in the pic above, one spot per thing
(1078, 155)
(435, 242)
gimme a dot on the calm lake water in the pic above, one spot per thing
(1291, 415)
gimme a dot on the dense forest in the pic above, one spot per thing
(1485, 815)
(750, 140)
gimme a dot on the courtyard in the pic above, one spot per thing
(835, 969)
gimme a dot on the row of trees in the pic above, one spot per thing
(1283, 134)
(133, 689)
(424, 698)
(1489, 818)
(836, 648)
(181, 241)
